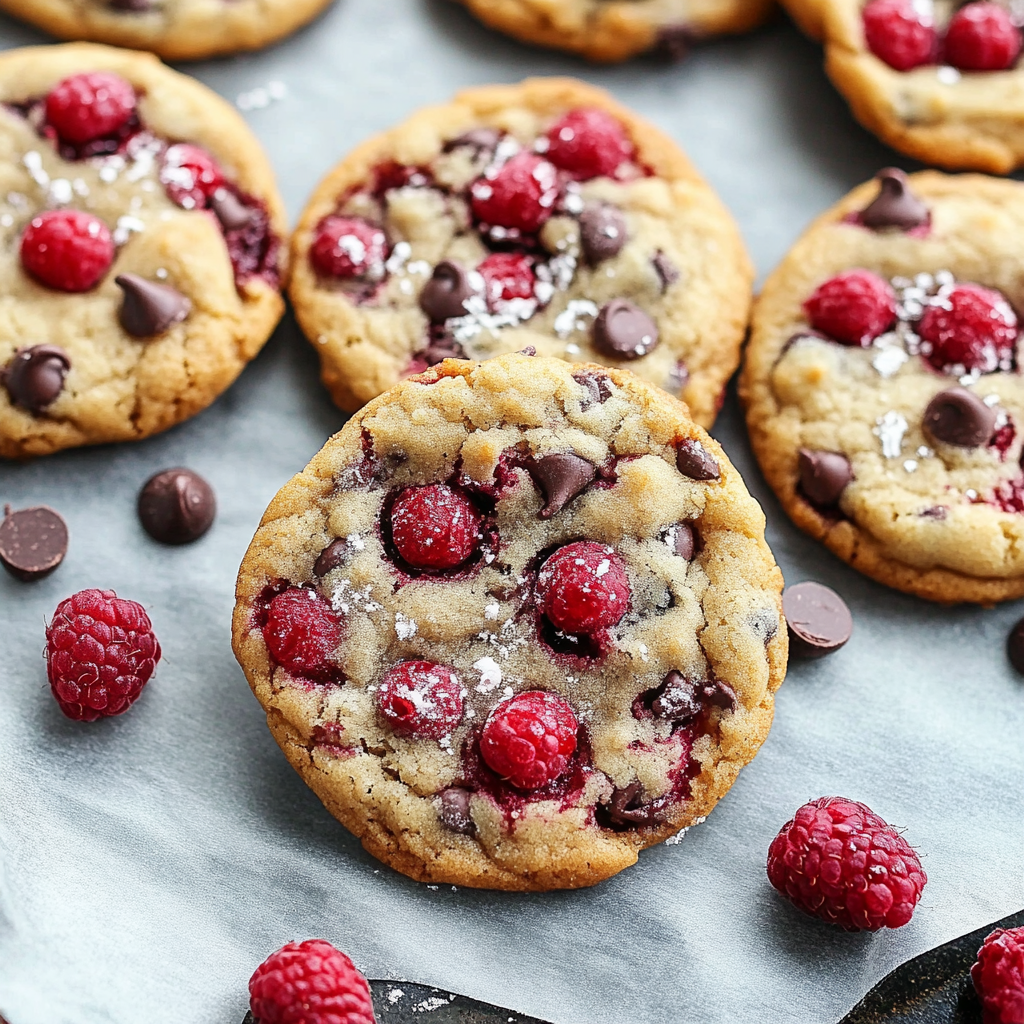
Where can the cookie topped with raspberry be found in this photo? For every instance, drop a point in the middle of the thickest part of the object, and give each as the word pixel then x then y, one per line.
pixel 142 231
pixel 883 384
pixel 516 622
pixel 541 214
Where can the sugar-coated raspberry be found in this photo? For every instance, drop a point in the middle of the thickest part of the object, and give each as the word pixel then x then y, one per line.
pixel 309 982
pixel 302 631
pixel 972 329
pixel 519 196
pixel 67 250
pixel 981 37
pixel 839 861
pixel 897 33
pixel 583 587
pixel 88 106
pixel 854 307
pixel 349 247
pixel 100 652
pixel 190 175
pixel 507 275
pixel 528 739
pixel 587 143
pixel 422 699
pixel 998 976
pixel 434 527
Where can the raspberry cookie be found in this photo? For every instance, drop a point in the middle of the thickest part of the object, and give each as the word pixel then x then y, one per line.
pixel 174 29
pixel 515 623
pixel 538 214
pixel 883 384
pixel 612 30
pixel 141 231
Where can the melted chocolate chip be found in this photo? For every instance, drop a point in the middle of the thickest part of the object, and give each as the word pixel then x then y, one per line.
pixel 35 376
pixel 696 462
pixel 149 308
pixel 823 476
pixel 561 478
pixel 626 807
pixel 818 619
pixel 33 542
pixel 680 699
pixel 683 540
pixel 624 331
pixel 441 349
pixel 455 814
pixel 230 210
pixel 602 232
pixel 895 206
pixel 332 556
pixel 445 294
pixel 598 388
pixel 666 270
pixel 959 417
pixel 479 139
pixel 673 42
pixel 177 506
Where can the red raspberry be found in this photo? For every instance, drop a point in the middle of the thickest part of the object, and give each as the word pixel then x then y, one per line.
pixel 434 527
pixel 974 328
pixel 583 587
pixel 302 631
pixel 854 307
pixel 896 33
pixel 507 275
pixel 981 37
pixel 88 106
pixel 519 196
pixel 100 653
pixel 309 982
pixel 67 250
pixel 587 143
pixel 528 739
pixel 190 176
pixel 349 247
pixel 839 861
pixel 419 698
pixel 998 976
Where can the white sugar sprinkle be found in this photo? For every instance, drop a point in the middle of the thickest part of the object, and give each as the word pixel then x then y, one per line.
pixel 492 610
pixel 890 430
pixel 490 675
pixel 405 628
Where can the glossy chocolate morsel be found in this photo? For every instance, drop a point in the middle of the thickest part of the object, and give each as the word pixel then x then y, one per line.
pixel 895 206
pixel 823 476
pixel 959 417
pixel 696 462
pixel 149 308
pixel 819 620
pixel 561 478
pixel 624 331
pixel 177 506
pixel 33 542
pixel 34 378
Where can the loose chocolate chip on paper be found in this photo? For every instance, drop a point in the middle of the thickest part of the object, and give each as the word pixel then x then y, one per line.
pixel 895 206
pixel 34 378
pixel 696 462
pixel 149 308
pixel 624 331
pixel 33 542
pixel 959 417
pixel 602 232
pixel 561 478
pixel 818 618
pixel 177 506
pixel 332 556
pixel 455 811
pixel 823 475
pixel 444 295
pixel 230 210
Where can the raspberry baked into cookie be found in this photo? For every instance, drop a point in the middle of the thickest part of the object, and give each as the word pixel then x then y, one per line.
pixel 538 214
pixel 883 384
pixel 140 228
pixel 516 622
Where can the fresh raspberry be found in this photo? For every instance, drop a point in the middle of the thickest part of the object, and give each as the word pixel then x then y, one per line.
pixel 100 653
pixel 854 307
pixel 349 247
pixel 519 196
pixel 309 982
pixel 67 250
pixel 507 275
pixel 972 329
pixel 839 861
pixel 998 976
pixel 583 587
pixel 528 739
pixel 587 143
pixel 88 106
pixel 190 176
pixel 419 698
pixel 302 631
pixel 899 35
pixel 981 37
pixel 434 527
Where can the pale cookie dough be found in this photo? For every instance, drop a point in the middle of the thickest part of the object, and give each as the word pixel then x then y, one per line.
pixel 225 269
pixel 678 254
pixel 704 608
pixel 939 519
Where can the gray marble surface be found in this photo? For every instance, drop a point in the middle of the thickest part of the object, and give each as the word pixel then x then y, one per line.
pixel 148 863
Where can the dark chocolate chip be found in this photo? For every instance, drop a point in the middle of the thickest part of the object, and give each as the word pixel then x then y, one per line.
pixel 230 210
pixel 819 621
pixel 441 349
pixel 1015 646
pixel 959 417
pixel 935 512
pixel 598 388
pixel 480 139
pixel 35 376
pixel 530 350
pixel 33 542
pixel 679 698
pixel 673 42
pixel 149 308
pixel 602 232
pixel 624 331
pixel 177 506
pixel 561 478
pixel 335 554
pixel 895 206
pixel 445 294
pixel 696 462
pixel 683 540
pixel 455 814
pixel 626 807
pixel 667 271
pixel 823 475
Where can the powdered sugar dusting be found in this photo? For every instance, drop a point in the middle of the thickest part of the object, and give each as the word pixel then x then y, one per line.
pixel 889 430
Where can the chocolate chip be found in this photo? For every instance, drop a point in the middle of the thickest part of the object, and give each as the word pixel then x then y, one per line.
pixel 602 232
pixel 895 206
pixel 561 478
pixel 598 387
pixel 624 331
pixel 332 556
pixel 696 462
pixel 177 506
pixel 1015 646
pixel 819 621
pixel 530 350
pixel 33 542
pixel 935 512
pixel 149 308
pixel 673 42
pixel 445 294
pixel 455 814
pixel 667 271
pixel 683 540
pixel 959 417
pixel 823 475
pixel 680 698
pixel 230 210
pixel 35 376
pixel 626 807
pixel 480 139
pixel 441 349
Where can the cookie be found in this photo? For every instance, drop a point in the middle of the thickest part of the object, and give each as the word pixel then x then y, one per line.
pixel 883 384
pixel 516 622
pixel 541 214
pixel 142 255
pixel 173 29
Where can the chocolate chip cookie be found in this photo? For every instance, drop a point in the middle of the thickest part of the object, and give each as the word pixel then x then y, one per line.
pixel 516 622
pixel 540 214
